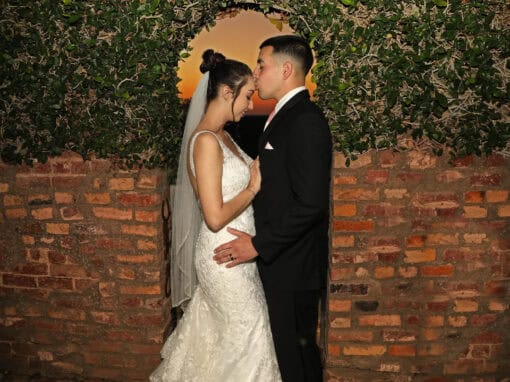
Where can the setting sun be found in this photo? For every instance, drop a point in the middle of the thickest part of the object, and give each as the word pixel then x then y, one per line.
pixel 237 36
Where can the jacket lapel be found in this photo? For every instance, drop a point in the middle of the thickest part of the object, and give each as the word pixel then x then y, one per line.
pixel 279 116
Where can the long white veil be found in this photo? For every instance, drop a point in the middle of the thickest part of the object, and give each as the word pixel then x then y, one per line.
pixel 185 210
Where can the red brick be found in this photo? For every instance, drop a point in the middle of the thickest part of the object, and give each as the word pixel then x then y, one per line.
pixel 464 305
pixel 488 337
pixel 146 245
pixel 28 240
pixel 42 213
pixel 384 272
pixel 68 181
pixel 67 314
pixel 496 196
pixel 449 176
pixel 28 181
pixel 144 320
pixel 12 200
pixel 350 336
pixel 416 240
pixel 64 198
pixel 357 226
pixel 134 199
pixel 457 321
pixel 380 320
pixel 58 283
pixel 442 239
pixel 344 179
pixel 420 256
pixel 57 228
pixel 341 273
pixel 125 335
pixel 504 211
pixel 334 350
pixel 16 213
pixel 147 216
pixel 388 159
pixel 402 350
pixel 18 281
pixel 32 269
pixel 141 230
pixel 496 288
pixel 113 243
pixel 437 270
pixel 408 272
pixel 486 179
pixel 121 184
pixel 109 318
pixel 474 196
pixel 340 305
pixel 112 213
pixel 376 176
pixel 396 193
pixel 136 259
pixel 364 350
pixel 344 210
pixel 71 213
pixel 126 274
pixel 140 289
pixel 495 160
pixel 432 349
pixel 464 161
pixel 355 194
pixel 475 212
pixel 390 335
pixel 147 181
pixel 97 198
pixel 343 241
pixel 421 160
pixel 436 200
pixel 483 319
pixel 68 270
pixel 410 177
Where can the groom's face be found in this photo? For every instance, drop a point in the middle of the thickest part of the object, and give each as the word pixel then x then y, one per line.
pixel 267 74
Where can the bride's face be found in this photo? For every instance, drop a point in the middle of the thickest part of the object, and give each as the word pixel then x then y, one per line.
pixel 244 101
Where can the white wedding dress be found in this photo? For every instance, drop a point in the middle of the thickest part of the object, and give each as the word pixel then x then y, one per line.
pixel 224 333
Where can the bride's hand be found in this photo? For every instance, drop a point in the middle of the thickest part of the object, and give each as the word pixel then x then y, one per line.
pixel 255 176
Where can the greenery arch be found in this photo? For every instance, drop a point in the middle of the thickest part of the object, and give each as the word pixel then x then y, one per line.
pixel 99 76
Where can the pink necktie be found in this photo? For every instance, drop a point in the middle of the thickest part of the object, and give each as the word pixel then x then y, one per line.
pixel 269 118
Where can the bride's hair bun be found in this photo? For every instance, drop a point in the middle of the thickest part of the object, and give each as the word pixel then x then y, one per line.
pixel 210 59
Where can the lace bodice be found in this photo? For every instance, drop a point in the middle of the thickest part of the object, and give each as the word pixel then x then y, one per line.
pixel 236 173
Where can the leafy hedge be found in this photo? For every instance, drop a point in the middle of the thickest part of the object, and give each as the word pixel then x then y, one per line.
pixel 99 76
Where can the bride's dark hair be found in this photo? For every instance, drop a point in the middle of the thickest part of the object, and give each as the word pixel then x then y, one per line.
pixel 223 71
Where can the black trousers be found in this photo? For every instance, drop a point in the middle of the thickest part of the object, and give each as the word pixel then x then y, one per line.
pixel 294 318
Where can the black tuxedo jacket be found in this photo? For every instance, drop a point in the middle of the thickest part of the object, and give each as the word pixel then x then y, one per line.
pixel 292 206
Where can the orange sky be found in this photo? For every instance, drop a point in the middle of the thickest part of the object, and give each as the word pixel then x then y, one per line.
pixel 239 38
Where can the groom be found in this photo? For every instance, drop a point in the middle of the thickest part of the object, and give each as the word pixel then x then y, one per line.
pixel 291 209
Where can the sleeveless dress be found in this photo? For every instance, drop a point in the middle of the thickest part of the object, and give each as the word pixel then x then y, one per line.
pixel 224 334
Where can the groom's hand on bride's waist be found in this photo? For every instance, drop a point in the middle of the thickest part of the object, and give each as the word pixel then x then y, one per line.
pixel 235 252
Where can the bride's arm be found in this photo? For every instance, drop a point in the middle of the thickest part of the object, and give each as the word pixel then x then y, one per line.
pixel 208 161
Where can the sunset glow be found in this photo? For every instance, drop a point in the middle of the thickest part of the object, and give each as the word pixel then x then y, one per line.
pixel 238 38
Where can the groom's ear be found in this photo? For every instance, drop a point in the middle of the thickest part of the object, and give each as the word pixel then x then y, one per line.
pixel 287 69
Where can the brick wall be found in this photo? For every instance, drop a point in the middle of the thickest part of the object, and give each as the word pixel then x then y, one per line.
pixel 80 284
pixel 419 269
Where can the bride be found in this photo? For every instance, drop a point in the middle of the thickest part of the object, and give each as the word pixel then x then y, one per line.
pixel 224 334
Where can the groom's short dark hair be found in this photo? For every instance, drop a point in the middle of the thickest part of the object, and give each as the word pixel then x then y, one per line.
pixel 293 46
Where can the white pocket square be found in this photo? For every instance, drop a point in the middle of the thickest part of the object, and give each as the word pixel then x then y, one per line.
pixel 268 146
